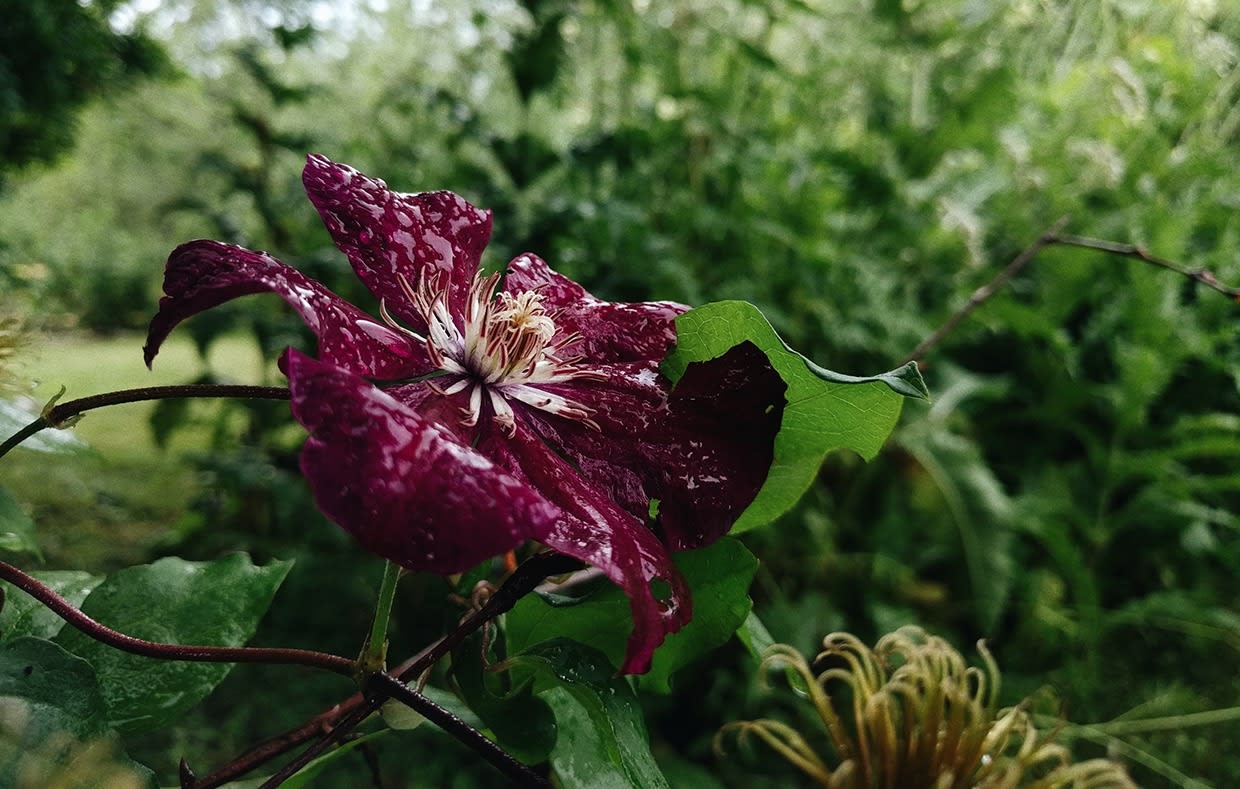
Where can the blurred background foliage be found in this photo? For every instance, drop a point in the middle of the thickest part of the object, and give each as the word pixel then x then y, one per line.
pixel 856 170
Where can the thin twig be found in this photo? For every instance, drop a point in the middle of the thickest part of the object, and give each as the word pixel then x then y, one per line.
pixel 528 575
pixel 1053 237
pixel 152 649
pixel 1123 728
pixel 1202 275
pixel 65 414
pixel 21 435
pixel 346 724
pixel 983 293
pixel 317 726
pixel 333 724
pixel 61 413
pixel 388 686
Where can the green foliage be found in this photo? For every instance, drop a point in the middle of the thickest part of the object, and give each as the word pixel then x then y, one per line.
pixel 856 172
pixel 173 602
pixel 22 615
pixel 55 720
pixel 516 717
pixel 719 576
pixel 53 58
pixel 601 737
pixel 17 534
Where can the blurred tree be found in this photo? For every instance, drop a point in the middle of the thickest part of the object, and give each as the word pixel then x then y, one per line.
pixel 54 57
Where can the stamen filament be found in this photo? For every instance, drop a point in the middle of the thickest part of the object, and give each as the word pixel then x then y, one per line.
pixel 503 343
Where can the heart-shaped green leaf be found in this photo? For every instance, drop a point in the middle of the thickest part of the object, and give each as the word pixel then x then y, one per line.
pixel 55 721
pixel 171 601
pixel 601 741
pixel 22 615
pixel 826 410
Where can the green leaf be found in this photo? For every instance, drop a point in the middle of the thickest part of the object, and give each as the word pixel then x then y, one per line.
pixel 175 602
pixel 16 528
pixel 53 717
pixel 754 635
pixel 520 722
pixel 15 415
pixel 826 410
pixel 602 740
pixel 719 576
pixel 601 618
pixel 679 771
pixel 23 615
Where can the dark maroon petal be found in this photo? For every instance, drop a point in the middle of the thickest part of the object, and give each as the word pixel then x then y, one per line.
pixel 388 235
pixel 401 484
pixel 610 331
pixel 205 274
pixel 627 407
pixel 703 452
pixel 592 528
pixel 717 444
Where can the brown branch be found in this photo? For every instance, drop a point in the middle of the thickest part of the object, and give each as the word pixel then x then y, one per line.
pixel 66 414
pixel 520 774
pixel 1053 237
pixel 983 293
pixel 528 575
pixel 58 415
pixel 152 649
pixel 1137 252
pixel 318 726
pixel 333 724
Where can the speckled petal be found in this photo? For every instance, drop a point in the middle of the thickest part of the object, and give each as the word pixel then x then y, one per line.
pixel 592 528
pixel 709 458
pixel 400 483
pixel 703 452
pixel 387 235
pixel 610 331
pixel 204 274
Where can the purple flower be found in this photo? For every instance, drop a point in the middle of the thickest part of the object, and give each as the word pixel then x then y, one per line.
pixel 477 413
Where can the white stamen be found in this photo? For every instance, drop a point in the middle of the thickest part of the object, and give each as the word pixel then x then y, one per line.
pixel 505 344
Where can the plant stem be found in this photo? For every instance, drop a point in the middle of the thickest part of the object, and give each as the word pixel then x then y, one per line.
pixel 373 658
pixel 1053 237
pixel 58 416
pixel 1122 728
pixel 1137 252
pixel 528 575
pixel 983 293
pixel 72 408
pixel 518 773
pixel 184 652
pixel 21 435
pixel 341 719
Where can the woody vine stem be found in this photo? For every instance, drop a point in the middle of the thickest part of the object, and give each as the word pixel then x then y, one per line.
pixel 379 686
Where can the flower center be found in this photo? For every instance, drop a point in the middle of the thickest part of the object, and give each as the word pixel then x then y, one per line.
pixel 504 347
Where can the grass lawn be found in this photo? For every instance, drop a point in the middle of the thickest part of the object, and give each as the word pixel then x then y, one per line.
pixel 88 365
pixel 105 508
